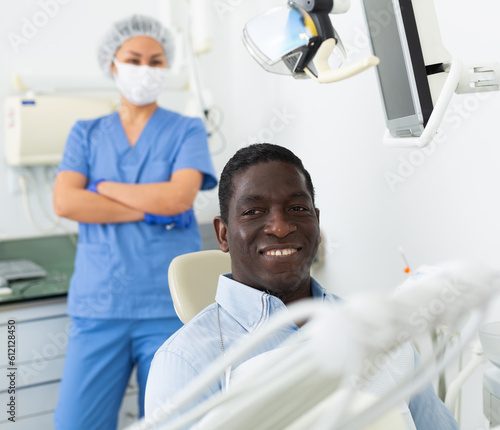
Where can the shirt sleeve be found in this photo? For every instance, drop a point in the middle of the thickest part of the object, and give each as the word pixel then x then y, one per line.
pixel 428 411
pixel 75 156
pixel 194 154
pixel 168 375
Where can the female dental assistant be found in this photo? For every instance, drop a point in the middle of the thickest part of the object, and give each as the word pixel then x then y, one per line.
pixel 130 180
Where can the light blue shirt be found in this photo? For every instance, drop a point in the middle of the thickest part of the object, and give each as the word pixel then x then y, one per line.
pixel 243 310
pixel 121 269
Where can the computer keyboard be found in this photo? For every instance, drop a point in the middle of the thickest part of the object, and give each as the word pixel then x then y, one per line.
pixel 20 269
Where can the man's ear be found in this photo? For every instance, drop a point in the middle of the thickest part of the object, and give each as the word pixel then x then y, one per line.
pixel 317 216
pixel 221 234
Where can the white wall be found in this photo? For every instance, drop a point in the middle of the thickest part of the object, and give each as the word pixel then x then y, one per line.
pixel 447 207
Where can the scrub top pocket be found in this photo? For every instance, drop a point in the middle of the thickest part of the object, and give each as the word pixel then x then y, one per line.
pixel 92 263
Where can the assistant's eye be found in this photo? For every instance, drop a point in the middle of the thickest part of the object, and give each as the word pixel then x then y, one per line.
pixel 132 61
pixel 157 63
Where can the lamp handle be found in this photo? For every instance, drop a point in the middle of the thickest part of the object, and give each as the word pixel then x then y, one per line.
pixel 327 75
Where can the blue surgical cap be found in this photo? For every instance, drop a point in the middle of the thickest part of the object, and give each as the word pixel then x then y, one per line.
pixel 136 25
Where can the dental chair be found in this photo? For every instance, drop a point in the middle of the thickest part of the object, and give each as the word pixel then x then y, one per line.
pixel 193 280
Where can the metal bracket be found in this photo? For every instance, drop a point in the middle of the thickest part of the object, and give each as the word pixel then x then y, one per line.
pixel 479 78
pixel 461 80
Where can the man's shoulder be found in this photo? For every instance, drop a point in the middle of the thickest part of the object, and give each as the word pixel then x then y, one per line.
pixel 199 335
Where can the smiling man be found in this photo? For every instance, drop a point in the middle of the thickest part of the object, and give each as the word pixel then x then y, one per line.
pixel 270 226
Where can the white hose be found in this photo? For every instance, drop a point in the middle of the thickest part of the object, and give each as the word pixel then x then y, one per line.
pixel 72 236
pixel 455 387
pixel 23 185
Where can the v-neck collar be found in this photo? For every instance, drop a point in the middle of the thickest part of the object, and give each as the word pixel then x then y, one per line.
pixel 123 138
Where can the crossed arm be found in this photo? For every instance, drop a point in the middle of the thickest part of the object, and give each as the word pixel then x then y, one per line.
pixel 119 202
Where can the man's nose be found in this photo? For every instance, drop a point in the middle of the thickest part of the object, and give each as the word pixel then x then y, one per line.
pixel 279 224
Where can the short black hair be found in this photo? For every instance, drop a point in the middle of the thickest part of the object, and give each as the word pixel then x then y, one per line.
pixel 250 156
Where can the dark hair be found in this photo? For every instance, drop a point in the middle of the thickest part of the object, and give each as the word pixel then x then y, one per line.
pixel 250 156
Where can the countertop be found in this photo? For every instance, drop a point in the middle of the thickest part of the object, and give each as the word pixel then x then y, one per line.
pixel 56 254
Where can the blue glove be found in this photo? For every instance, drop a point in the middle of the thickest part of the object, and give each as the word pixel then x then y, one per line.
pixel 183 220
pixel 93 186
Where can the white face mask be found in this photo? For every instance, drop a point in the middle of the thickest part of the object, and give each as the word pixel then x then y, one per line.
pixel 140 85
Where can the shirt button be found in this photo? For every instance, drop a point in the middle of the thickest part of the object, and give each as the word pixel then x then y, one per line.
pixel 250 323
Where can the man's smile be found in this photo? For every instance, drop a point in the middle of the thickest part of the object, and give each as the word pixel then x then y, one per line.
pixel 280 251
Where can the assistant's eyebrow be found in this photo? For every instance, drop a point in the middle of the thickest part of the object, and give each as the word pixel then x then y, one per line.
pixel 138 54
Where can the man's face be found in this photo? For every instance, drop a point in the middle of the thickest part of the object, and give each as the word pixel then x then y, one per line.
pixel 272 231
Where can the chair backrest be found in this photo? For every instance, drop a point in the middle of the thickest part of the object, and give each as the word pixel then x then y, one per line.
pixel 193 280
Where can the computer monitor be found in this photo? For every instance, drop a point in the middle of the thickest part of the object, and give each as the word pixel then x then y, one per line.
pixel 403 74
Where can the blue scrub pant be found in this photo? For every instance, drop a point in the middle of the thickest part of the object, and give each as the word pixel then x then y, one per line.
pixel 100 357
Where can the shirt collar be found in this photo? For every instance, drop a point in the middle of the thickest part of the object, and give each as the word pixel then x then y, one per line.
pixel 249 306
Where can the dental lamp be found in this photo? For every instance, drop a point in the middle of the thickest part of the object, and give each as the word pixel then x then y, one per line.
pixel 298 39
pixel 416 74
pixel 316 381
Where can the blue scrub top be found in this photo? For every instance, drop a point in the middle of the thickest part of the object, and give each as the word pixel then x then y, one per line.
pixel 121 269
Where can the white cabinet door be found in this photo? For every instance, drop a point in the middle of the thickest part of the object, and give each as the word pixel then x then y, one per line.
pixel 31 401
pixel 37 422
pixel 36 342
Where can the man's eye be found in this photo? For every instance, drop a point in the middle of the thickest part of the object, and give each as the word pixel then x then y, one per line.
pixel 299 208
pixel 252 212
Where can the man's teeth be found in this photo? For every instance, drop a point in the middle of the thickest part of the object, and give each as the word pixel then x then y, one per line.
pixel 280 252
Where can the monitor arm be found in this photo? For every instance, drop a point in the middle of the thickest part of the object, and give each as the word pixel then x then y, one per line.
pixel 462 79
